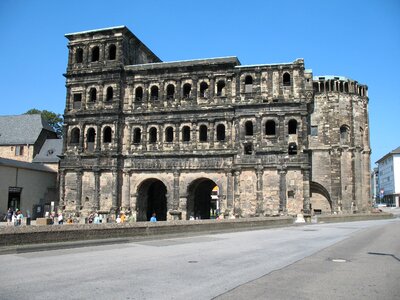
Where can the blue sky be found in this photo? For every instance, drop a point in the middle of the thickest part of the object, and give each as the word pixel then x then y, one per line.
pixel 356 39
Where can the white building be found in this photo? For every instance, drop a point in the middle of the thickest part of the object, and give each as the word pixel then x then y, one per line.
pixel 389 177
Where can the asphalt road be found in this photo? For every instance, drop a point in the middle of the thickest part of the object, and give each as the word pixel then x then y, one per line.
pixel 357 260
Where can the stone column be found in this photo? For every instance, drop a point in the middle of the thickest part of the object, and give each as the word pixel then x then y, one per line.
pixel 229 190
pixel 282 191
pixel 62 189
pixel 236 192
pixel 98 138
pixel 175 201
pixel 114 202
pixel 306 192
pixel 259 173
pixel 78 190
pixel 126 191
pixel 96 204
pixel 212 87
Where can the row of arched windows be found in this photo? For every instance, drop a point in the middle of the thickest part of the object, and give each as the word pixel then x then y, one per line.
pixel 95 54
pixel 90 136
pixel 93 94
pixel 270 127
pixel 339 86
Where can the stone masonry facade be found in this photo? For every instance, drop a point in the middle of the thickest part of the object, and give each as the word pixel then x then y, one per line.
pixel 147 136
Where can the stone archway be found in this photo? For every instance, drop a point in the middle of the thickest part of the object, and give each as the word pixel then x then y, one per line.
pixel 199 202
pixel 151 198
pixel 320 199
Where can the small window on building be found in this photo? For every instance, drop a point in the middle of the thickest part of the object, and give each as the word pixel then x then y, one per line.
pixel 139 94
pixel 286 79
pixel 77 101
pixel 248 84
pixel 204 90
pixel 153 135
pixel 79 56
pixel 248 149
pixel 95 54
pixel 75 136
pixel 344 135
pixel 112 52
pixel 290 194
pixel 107 135
pixel 292 150
pixel 93 95
pixel 203 133
pixel 186 134
pixel 292 127
pixel 221 132
pixel 270 127
pixel 137 136
pixel 19 150
pixel 90 138
pixel 314 131
pixel 248 128
pixel 170 91
pixel 110 94
pixel 169 134
pixel 315 86
pixel 221 88
pixel 154 93
pixel 187 87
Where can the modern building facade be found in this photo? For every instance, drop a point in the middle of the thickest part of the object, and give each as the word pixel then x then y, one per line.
pixel 147 136
pixel 389 178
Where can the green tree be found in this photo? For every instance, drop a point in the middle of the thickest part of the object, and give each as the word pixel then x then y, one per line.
pixel 54 120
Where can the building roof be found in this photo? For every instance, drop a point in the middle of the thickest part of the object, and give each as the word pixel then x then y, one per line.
pixel 21 129
pixel 96 30
pixel 49 152
pixel 395 151
pixel 5 162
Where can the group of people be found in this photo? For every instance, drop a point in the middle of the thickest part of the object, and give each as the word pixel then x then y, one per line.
pixel 14 217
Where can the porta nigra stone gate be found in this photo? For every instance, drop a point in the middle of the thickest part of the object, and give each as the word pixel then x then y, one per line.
pixel 144 136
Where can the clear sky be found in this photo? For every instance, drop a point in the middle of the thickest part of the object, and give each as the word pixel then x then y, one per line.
pixel 356 39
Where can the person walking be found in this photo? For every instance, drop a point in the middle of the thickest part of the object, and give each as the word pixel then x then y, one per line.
pixel 153 218
pixel 60 219
pixel 9 216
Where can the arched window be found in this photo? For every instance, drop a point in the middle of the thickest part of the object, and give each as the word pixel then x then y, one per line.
pixel 95 54
pixel 286 79
pixel 93 95
pixel 221 88
pixel 344 135
pixel 186 134
pixel 220 132
pixel 154 93
pixel 316 87
pixel 248 149
pixel 109 94
pixel 346 87
pixel 187 87
pixel 248 84
pixel 112 52
pixel 323 87
pixel 75 135
pixel 79 55
pixel 270 127
pixel 248 128
pixel 169 134
pixel 292 149
pixel 139 94
pixel 204 90
pixel 153 135
pixel 107 135
pixel 203 133
pixel 137 136
pixel 170 91
pixel 292 127
pixel 90 138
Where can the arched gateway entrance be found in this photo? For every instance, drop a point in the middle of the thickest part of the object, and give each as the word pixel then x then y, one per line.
pixel 200 204
pixel 152 198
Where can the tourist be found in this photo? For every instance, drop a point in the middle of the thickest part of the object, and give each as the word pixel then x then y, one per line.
pixel 20 217
pixel 123 217
pixel 96 219
pixel 153 218
pixel 9 216
pixel 118 220
pixel 60 219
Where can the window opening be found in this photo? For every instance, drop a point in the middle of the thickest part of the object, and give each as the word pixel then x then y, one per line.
pixel 292 149
pixel 203 133
pixel 248 149
pixel 90 138
pixel 221 132
pixel 270 128
pixel 19 150
pixel 204 90
pixel 110 94
pixel 107 135
pixel 316 87
pixel 139 94
pixel 93 95
pixel 154 93
pixel 79 56
pixel 75 135
pixel 344 135
pixel 112 52
pixel 286 79
pixel 77 101
pixel 249 127
pixel 153 135
pixel 314 130
pixel 137 136
pixel 221 88
pixel 170 91
pixel 186 134
pixel 248 84
pixel 169 134
pixel 292 127
pixel 95 54
pixel 187 87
